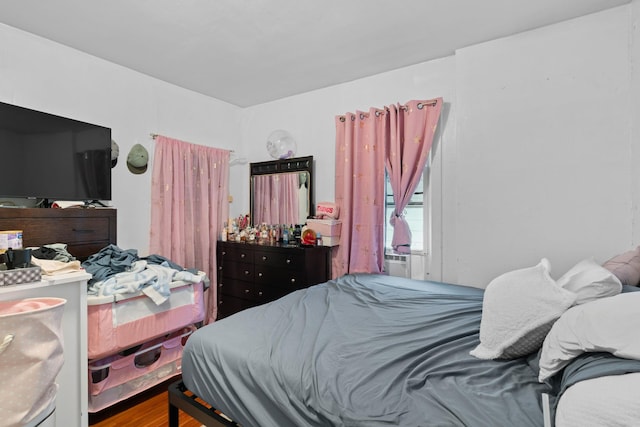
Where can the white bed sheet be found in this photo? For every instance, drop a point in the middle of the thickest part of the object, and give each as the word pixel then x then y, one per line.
pixel 611 401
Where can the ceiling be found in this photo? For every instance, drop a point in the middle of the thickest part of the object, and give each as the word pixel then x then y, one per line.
pixel 248 52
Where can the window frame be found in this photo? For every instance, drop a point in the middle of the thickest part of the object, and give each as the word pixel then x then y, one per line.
pixel 414 224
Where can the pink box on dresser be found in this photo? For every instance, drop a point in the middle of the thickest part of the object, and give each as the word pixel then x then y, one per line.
pixel 326 227
pixel 119 322
pixel 330 241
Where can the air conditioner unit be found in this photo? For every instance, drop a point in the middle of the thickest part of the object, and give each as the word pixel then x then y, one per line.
pixel 397 265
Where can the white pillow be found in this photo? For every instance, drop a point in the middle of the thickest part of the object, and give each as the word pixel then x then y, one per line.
pixel 518 310
pixel 607 324
pixel 590 281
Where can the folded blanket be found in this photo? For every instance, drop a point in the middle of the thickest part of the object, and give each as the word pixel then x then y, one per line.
pixel 52 267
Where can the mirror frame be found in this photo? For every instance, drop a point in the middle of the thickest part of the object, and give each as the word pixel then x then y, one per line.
pixel 295 164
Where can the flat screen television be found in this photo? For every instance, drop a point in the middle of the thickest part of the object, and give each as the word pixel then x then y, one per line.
pixel 48 157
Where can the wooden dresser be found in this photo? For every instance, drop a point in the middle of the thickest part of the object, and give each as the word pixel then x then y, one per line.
pixel 251 274
pixel 84 230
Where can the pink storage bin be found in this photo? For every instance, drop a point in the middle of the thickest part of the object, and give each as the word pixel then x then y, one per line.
pixel 120 376
pixel 119 322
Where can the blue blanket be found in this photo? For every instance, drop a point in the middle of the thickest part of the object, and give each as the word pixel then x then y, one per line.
pixel 363 350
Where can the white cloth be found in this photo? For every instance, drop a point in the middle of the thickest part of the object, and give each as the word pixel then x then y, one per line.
pixel 52 267
pixel 610 401
pixel 151 279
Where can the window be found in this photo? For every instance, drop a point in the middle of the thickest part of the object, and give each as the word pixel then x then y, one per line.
pixel 413 213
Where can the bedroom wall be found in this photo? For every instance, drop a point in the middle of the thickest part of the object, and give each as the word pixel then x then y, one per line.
pixel 536 154
pixel 543 167
pixel 310 118
pixel 43 75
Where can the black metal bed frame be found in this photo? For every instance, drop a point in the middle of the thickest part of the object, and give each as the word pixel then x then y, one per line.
pixel 180 398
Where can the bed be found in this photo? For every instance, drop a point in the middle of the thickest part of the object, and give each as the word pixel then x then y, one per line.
pixel 375 350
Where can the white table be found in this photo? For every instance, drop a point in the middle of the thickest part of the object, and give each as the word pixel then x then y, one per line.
pixel 72 397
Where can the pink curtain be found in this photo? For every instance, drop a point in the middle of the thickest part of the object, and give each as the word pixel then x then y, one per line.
pixel 276 199
pixel 189 188
pixel 412 127
pixel 400 137
pixel 360 192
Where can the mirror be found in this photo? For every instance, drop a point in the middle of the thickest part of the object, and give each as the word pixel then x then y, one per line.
pixel 281 191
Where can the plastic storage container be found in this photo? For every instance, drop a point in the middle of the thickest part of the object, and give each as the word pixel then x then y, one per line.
pixel 31 356
pixel 120 376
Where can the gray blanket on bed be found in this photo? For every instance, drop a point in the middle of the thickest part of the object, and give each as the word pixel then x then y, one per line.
pixel 363 350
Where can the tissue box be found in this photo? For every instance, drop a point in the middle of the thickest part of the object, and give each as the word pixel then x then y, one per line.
pixel 20 275
pixel 326 227
pixel 10 239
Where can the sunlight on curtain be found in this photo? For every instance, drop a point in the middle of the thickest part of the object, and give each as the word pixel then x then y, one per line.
pixel 189 189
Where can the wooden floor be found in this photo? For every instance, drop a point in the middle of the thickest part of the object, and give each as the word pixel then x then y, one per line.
pixel 148 409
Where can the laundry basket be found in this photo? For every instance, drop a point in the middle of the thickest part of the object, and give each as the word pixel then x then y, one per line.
pixel 31 356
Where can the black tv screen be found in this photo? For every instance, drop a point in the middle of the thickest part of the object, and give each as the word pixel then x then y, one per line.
pixel 44 156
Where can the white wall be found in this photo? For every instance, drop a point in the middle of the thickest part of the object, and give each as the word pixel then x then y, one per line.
pixel 543 134
pixel 42 75
pixel 310 117
pixel 536 156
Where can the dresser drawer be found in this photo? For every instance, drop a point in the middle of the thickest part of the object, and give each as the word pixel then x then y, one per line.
pixel 228 305
pixel 289 260
pixel 243 289
pixel 61 230
pixel 280 277
pixel 84 231
pixel 253 274
pixel 236 270
pixel 234 253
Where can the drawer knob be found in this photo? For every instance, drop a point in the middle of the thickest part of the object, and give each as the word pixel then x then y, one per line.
pixel 220 285
pixel 246 291
pixel 246 272
pixel 264 258
pixel 224 252
pixel 260 293
pixel 242 255
pixel 293 280
pixel 259 274
pixel 288 261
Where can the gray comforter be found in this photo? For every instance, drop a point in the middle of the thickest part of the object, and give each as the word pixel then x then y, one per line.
pixel 363 350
